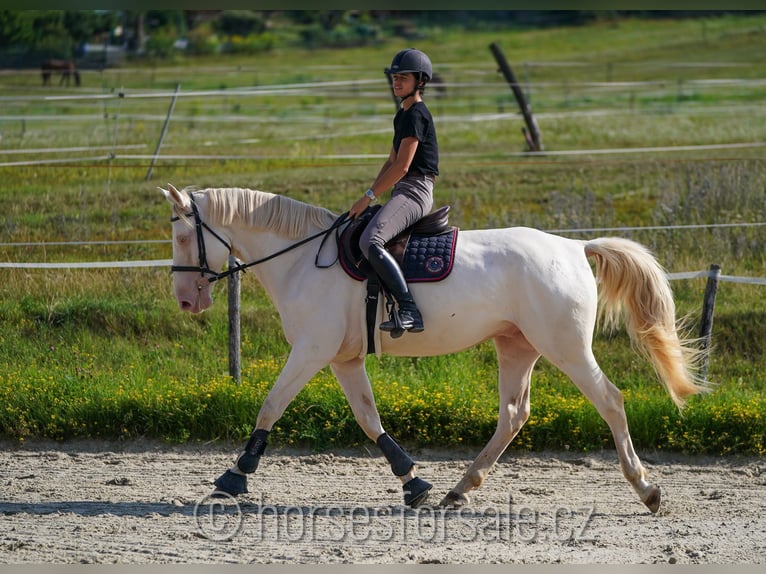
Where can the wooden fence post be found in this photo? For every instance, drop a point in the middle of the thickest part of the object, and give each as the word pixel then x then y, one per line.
pixel 235 370
pixel 531 133
pixel 708 305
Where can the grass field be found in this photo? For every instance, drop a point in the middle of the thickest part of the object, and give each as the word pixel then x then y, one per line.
pixel 106 353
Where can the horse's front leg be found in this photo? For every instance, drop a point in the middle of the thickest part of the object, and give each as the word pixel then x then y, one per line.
pixel 298 370
pixel 356 385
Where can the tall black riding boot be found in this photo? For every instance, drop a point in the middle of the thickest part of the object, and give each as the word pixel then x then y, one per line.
pixel 390 274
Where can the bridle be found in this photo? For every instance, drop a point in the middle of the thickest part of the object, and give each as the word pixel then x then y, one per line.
pixel 210 275
pixel 203 267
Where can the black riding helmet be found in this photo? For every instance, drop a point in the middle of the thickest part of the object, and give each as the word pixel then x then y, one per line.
pixel 412 61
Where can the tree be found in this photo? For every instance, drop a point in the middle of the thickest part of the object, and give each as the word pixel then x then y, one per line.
pixel 83 25
pixel 15 28
pixel 53 30
pixel 240 23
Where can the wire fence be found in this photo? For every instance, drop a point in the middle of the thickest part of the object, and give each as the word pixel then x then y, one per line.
pixel 353 108
pixel 355 87
pixel 464 94
pixel 541 154
pixel 168 262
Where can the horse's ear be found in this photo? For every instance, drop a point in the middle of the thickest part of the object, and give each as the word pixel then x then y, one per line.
pixel 179 198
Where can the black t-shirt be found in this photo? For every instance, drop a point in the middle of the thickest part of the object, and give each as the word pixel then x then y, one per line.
pixel 417 122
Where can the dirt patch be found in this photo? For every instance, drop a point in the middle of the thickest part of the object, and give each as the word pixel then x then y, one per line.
pixel 88 502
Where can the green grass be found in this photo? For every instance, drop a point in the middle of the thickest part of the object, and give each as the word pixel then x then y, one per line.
pixel 108 354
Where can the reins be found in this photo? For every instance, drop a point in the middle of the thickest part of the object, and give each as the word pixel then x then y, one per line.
pixel 203 267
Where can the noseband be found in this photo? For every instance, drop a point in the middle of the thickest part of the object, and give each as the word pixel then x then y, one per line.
pixel 211 276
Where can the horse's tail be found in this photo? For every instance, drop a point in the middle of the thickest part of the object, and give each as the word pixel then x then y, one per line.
pixel 631 280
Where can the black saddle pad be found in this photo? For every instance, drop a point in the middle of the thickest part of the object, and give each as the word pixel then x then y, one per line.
pixel 429 257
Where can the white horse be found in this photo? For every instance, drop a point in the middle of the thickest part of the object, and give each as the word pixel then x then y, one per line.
pixel 533 293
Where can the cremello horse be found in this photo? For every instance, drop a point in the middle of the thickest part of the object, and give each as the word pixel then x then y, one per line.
pixel 532 293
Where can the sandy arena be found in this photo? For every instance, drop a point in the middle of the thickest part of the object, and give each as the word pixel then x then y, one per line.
pixel 88 502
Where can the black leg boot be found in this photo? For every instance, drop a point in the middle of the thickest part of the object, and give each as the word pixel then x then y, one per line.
pixel 391 275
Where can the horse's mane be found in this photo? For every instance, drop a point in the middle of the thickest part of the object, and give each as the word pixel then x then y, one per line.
pixel 268 211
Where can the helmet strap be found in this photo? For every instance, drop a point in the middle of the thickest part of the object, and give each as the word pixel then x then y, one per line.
pixel 419 86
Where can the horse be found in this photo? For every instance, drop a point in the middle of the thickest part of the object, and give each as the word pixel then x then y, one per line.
pixel 438 85
pixel 533 293
pixel 66 67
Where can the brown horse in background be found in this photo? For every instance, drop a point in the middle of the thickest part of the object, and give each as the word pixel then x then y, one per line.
pixel 66 67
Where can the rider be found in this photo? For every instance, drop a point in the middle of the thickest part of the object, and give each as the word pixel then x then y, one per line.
pixel 411 168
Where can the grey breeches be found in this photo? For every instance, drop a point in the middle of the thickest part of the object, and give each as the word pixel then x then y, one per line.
pixel 411 199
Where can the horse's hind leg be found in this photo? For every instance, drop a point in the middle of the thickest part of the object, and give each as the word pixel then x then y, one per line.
pixel 356 385
pixel 516 358
pixel 608 400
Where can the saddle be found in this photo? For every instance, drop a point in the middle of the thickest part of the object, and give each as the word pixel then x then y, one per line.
pixel 425 251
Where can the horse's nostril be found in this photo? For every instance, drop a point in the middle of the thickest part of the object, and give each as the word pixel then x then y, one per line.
pixel 185 305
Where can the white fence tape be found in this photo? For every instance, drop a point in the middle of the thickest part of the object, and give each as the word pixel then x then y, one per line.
pixel 88 264
pixel 688 275
pixel 47 150
pixel 69 243
pixel 658 227
pixel 729 278
pixel 748 280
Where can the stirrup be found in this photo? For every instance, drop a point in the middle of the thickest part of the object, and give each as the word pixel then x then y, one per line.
pixel 397 325
pixel 394 323
pixel 411 320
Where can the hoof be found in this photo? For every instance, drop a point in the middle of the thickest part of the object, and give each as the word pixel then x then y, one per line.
pixel 653 498
pixel 454 500
pixel 416 492
pixel 231 483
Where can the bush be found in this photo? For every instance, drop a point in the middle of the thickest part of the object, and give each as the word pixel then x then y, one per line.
pixel 252 44
pixel 160 44
pixel 316 36
pixel 202 41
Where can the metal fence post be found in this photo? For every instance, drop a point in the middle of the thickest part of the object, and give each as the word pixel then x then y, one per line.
pixel 235 370
pixel 708 305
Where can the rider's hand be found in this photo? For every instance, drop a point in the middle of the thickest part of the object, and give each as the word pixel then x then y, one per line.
pixel 359 206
